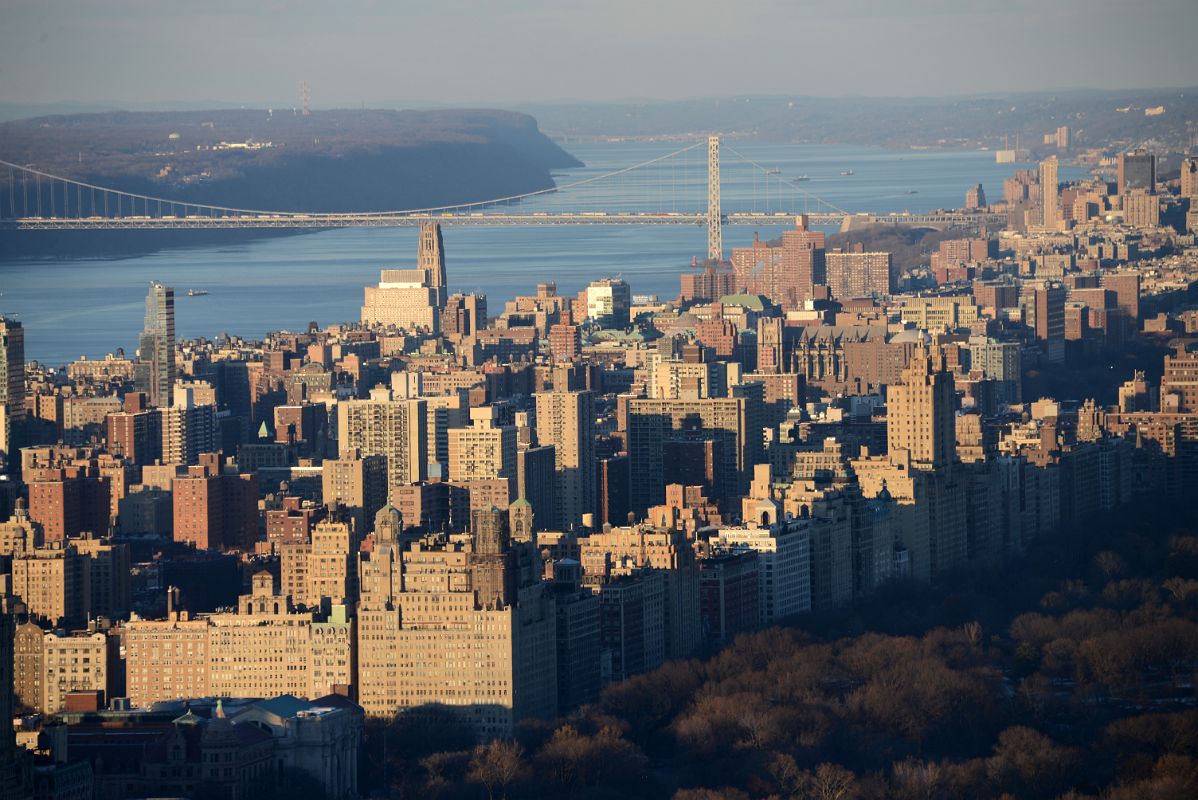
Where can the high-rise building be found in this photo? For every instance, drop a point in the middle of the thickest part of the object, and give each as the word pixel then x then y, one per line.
pixel 66 502
pixel 1189 180
pixel 859 274
pixel 12 389
pixel 265 648
pixel 464 315
pixel 436 633
pixel 19 534
pixel 331 571
pixel 1126 286
pixel 1000 361
pixel 1050 211
pixel 608 302
pixel 28 669
pixel 565 342
pixel 535 480
pixel 578 642
pixel 383 426
pixel 215 510
pixel 566 420
pixel 155 369
pixel 188 428
pixel 920 414
pixel 108 575
pixel 483 451
pixel 54 583
pixel 714 282
pixel 632 624
pixel 1141 209
pixel 732 426
pixel 783 550
pixel 1044 311
pixel 613 501
pixel 787 273
pixel 358 484
pixel 75 662
pixel 624 551
pixel 729 594
pixel 952 252
pixel 1181 380
pixel 135 433
pixel 975 197
pixel 16 779
pixel 411 298
pixel 166 659
pixel 1137 170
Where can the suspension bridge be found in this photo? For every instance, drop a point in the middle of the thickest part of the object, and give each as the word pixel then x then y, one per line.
pixel 666 190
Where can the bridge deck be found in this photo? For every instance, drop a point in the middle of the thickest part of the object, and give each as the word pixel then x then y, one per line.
pixel 328 221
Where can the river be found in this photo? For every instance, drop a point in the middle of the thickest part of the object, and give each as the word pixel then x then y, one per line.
pixel 91 307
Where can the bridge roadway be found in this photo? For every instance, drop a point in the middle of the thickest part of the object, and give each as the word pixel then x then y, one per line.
pixel 395 220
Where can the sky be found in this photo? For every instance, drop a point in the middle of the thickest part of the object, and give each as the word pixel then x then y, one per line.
pixel 519 52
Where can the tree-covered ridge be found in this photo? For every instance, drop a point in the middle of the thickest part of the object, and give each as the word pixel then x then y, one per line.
pixel 345 160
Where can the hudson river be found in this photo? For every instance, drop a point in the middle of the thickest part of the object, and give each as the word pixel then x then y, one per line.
pixel 91 307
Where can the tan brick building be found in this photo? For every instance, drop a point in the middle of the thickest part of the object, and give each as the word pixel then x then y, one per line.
pixel 54 581
pixel 566 420
pixel 383 426
pixel 166 659
pixel 73 662
pixel 263 649
pixel 624 551
pixel 358 483
pixel 484 450
pixel 430 643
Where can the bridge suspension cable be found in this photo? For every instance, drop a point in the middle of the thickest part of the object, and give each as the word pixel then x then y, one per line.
pixel 147 199
pixel 770 174
pixel 633 195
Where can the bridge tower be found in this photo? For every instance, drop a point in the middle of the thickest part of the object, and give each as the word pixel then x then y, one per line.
pixel 715 235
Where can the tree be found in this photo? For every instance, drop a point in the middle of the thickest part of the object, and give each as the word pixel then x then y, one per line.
pixel 829 782
pixel 1026 762
pixel 497 766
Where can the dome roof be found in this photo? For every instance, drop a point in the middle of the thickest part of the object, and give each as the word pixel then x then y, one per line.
pixel 911 335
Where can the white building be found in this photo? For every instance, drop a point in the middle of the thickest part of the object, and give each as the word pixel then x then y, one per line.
pixel 609 302
pixel 784 555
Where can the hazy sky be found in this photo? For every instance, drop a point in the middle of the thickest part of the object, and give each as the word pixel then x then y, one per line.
pixel 511 52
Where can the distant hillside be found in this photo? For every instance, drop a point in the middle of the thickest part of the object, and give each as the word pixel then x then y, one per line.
pixel 1096 118
pixel 345 160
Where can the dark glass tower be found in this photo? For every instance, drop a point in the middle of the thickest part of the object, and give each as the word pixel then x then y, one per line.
pixel 156 348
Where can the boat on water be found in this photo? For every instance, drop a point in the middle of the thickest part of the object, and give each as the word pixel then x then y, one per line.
pixel 800 178
pixel 846 172
pixel 911 191
pixel 774 171
pixel 196 292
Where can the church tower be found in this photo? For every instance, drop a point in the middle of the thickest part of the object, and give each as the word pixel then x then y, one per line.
pixel 431 260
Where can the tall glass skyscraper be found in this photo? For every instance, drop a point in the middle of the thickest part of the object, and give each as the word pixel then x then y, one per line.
pixel 156 349
pixel 12 387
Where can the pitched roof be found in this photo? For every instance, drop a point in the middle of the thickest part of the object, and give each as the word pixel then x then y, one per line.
pixel 284 706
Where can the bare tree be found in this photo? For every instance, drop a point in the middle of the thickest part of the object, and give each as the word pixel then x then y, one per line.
pixel 497 766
